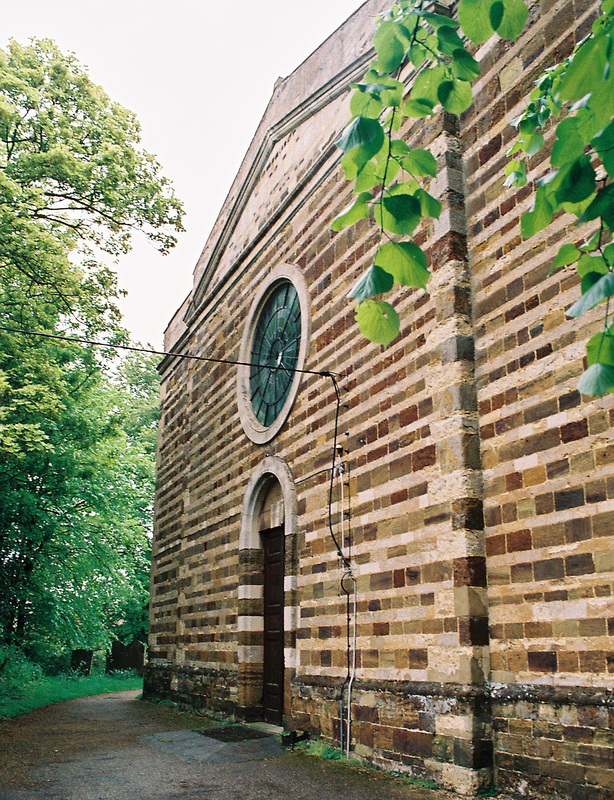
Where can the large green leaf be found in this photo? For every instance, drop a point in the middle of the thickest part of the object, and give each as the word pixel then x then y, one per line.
pixel 389 45
pixel 381 87
pixel 420 163
pixel 586 69
pixel 401 214
pixel 541 215
pixel 604 145
pixel 358 210
pixel 600 349
pixel 577 182
pixel 511 19
pixel 406 262
pixel 399 148
pixel 589 122
pixel 601 101
pixel 529 142
pixel 455 96
pixel 416 108
pixel 378 321
pixel 448 40
pixel 426 85
pixel 430 206
pixel 602 206
pixel 568 254
pixel 355 161
pixel 418 54
pixel 579 208
pixel 386 81
pixel 474 18
pixel 439 20
pixel 362 132
pixel 569 144
pixel 597 380
pixel 588 263
pixel 366 179
pixel 366 104
pixel 392 95
pixel 599 292
pixel 374 281
pixel 464 65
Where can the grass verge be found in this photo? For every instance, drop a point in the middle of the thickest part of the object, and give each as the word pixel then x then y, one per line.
pixel 46 691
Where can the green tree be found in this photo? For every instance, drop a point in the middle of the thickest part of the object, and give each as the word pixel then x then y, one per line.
pixel 76 457
pixel 75 185
pixel 388 175
pixel 75 518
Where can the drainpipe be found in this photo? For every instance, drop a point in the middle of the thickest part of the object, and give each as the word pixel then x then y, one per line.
pixel 348 728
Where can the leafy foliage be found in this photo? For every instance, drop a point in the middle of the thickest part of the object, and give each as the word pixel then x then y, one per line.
pixel 74 185
pixel 71 157
pixel 390 178
pixel 581 91
pixel 76 440
pixel 75 518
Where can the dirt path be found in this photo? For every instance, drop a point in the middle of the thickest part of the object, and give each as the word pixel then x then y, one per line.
pixel 115 747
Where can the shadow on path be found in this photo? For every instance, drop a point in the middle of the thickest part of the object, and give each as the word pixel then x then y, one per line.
pixel 115 747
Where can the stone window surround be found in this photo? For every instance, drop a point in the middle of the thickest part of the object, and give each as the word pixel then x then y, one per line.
pixel 253 428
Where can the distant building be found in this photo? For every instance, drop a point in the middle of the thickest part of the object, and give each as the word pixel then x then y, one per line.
pixel 477 486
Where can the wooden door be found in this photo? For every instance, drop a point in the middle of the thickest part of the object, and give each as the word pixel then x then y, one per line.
pixel 273 666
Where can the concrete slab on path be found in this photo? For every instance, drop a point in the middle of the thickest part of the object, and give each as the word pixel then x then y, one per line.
pixel 194 746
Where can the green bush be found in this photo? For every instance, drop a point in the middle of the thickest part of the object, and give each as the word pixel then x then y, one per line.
pixel 16 671
pixel 51 661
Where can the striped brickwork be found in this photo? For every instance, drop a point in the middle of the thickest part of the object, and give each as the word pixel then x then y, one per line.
pixel 478 483
pixel 546 453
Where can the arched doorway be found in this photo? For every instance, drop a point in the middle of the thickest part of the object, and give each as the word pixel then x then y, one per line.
pixel 267 592
pixel 273 622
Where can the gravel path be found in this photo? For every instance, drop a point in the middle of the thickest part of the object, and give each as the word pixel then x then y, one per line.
pixel 116 747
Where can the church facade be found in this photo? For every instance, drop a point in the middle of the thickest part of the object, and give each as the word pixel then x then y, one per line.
pixel 407 550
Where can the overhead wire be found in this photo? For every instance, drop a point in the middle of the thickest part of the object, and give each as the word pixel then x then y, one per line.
pixel 152 351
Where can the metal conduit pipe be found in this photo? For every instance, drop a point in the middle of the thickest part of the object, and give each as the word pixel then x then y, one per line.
pixel 348 727
pixel 345 709
pixel 339 468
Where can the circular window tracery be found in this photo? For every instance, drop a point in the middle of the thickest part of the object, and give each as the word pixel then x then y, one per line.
pixel 274 348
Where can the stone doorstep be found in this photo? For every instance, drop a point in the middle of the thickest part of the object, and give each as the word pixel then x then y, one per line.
pixel 265 727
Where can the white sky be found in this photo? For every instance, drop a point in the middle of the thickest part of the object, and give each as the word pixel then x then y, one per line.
pixel 198 74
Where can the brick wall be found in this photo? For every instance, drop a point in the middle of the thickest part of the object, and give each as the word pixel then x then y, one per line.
pixel 479 483
pixel 546 453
